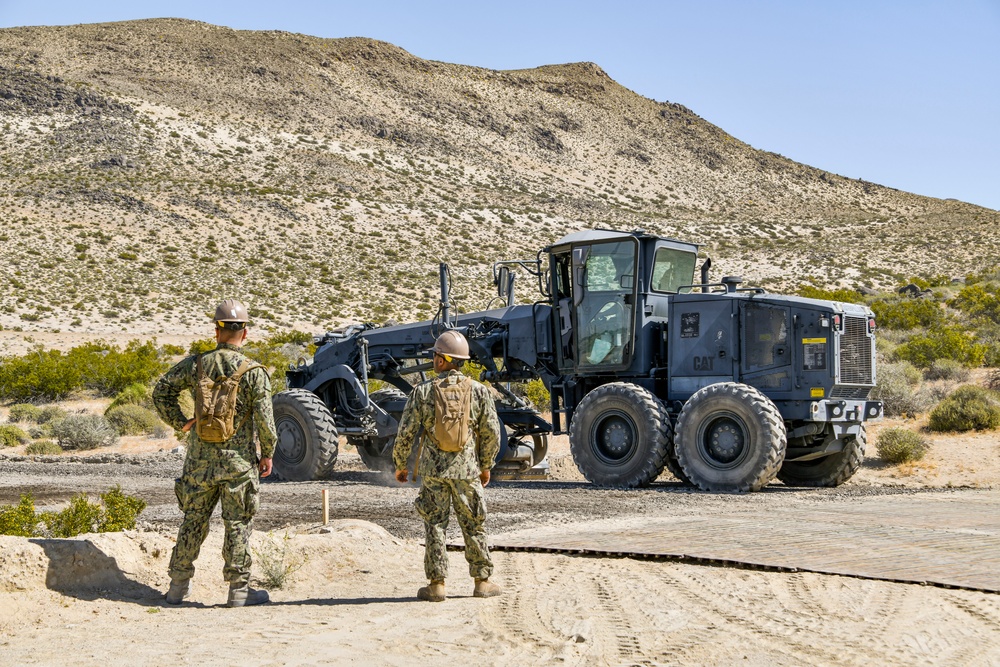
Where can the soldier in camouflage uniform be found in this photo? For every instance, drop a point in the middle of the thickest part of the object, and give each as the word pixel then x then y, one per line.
pixel 451 478
pixel 228 471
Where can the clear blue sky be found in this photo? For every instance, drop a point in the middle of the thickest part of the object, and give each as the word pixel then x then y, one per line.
pixel 905 93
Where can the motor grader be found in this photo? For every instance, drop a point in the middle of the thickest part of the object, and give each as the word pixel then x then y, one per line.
pixel 647 367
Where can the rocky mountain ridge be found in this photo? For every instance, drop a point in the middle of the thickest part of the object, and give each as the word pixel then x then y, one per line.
pixel 152 168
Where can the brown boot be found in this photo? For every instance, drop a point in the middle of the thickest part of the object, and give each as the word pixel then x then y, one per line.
pixel 241 595
pixel 434 592
pixel 485 589
pixel 179 590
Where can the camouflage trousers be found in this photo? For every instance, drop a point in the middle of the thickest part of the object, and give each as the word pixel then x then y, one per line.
pixel 434 503
pixel 198 491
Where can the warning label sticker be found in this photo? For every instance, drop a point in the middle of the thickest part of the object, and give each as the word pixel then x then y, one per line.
pixel 814 355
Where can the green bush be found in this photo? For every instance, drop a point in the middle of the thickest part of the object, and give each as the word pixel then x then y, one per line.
pixel 968 408
pixel 24 412
pixel 977 301
pixel 906 313
pixel 947 369
pixel 20 519
pixel 202 346
pixel 119 512
pixel 899 445
pixel 43 448
pixel 842 295
pixel 54 375
pixel 50 414
pixel 82 516
pixel 944 342
pixel 84 432
pixel 134 394
pixel 132 419
pixel 538 395
pixel 11 436
pixel 896 389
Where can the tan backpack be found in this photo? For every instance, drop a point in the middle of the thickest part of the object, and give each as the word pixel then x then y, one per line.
pixel 452 413
pixel 215 403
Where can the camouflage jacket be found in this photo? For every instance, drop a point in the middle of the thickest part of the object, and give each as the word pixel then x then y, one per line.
pixel 478 453
pixel 253 405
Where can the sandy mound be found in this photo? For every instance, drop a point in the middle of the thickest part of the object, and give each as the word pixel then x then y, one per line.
pixel 134 564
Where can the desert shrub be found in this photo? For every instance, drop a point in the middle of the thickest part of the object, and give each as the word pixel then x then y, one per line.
pixel 134 394
pixel 907 313
pixel 896 389
pixel 50 414
pixel 275 563
pixel 968 408
pixel 202 346
pixel 537 394
pixel 944 342
pixel 947 369
pixel 842 295
pixel 80 517
pixel 24 412
pixel 43 374
pixel 110 369
pixel 20 519
pixel 43 448
pixel 11 436
pixel 118 512
pixel 977 301
pixel 161 431
pixel 132 419
pixel 899 445
pixel 84 432
pixel 54 375
pixel 170 350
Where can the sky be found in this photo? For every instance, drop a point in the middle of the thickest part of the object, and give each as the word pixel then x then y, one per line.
pixel 904 93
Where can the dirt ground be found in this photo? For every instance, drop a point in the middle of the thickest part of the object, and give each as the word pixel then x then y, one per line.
pixel 98 599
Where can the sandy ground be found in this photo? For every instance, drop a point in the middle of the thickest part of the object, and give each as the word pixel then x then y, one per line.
pixel 97 599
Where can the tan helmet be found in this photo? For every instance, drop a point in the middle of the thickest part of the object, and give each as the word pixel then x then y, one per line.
pixel 452 344
pixel 231 314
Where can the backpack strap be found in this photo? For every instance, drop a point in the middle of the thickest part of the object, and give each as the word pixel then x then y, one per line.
pixel 245 367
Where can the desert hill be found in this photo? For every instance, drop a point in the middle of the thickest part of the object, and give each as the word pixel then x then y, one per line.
pixel 151 168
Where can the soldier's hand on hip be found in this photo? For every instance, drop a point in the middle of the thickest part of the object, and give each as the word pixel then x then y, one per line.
pixel 265 467
pixel 187 427
pixel 484 477
pixel 401 476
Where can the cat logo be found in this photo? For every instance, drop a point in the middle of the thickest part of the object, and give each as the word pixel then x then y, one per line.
pixel 704 363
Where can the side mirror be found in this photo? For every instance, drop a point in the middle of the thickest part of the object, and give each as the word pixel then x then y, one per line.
pixel 626 281
pixel 503 281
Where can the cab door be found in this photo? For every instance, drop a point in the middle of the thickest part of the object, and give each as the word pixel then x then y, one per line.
pixel 604 288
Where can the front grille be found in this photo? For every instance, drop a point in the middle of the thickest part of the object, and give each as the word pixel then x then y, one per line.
pixel 856 352
pixel 855 393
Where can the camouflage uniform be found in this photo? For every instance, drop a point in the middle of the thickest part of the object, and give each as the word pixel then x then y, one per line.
pixel 214 471
pixel 451 478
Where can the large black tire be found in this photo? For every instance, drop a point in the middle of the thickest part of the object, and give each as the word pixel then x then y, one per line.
pixel 730 438
pixel 370 448
pixel 831 470
pixel 307 437
pixel 619 436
